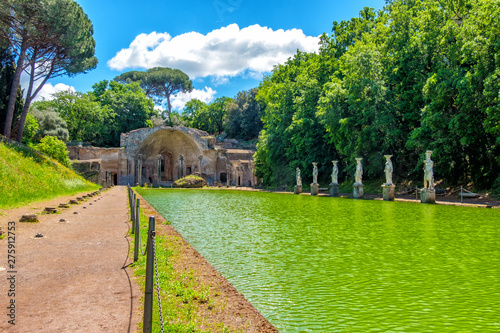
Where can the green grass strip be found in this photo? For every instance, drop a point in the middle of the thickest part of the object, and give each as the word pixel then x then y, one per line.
pixel 27 177
pixel 181 293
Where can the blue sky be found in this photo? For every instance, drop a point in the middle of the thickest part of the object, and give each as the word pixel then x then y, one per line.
pixel 225 46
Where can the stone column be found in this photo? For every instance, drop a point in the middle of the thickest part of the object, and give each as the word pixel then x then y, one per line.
pixel 139 169
pixel 158 171
pixel 228 173
pixel 252 173
pixel 315 185
pixel 200 158
pixel 131 172
pixel 239 173
pixel 181 166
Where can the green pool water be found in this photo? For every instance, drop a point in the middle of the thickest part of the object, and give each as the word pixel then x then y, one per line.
pixel 320 264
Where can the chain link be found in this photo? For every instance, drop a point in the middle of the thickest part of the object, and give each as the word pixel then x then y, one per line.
pixel 157 284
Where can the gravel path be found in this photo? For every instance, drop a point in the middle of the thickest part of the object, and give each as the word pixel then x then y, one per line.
pixel 72 279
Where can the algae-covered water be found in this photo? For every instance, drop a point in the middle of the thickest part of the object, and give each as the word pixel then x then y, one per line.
pixel 320 264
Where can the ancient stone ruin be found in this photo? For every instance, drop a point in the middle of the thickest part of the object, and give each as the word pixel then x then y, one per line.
pixel 162 155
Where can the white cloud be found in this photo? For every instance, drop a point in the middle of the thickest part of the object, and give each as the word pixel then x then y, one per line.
pixel 225 52
pixel 205 95
pixel 48 90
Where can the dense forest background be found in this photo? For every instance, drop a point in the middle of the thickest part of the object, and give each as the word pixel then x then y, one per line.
pixel 415 76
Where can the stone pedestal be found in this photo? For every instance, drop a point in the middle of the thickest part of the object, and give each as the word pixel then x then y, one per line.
pixel 388 192
pixel 428 196
pixel 357 191
pixel 334 190
pixel 314 189
pixel 297 189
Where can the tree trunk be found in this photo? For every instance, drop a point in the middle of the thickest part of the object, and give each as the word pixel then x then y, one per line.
pixel 13 91
pixel 169 108
pixel 29 98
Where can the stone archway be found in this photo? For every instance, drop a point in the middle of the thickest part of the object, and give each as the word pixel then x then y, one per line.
pixel 161 152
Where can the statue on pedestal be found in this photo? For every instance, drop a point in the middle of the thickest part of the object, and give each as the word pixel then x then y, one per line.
pixel 428 171
pixel 315 173
pixel 299 180
pixel 335 173
pixel 359 172
pixel 388 170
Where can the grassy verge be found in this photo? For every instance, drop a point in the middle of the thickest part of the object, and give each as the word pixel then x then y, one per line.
pixel 27 177
pixel 183 296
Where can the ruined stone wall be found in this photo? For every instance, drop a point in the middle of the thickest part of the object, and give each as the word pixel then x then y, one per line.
pixel 161 155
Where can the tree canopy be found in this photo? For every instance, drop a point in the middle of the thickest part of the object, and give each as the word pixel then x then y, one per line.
pixel 100 116
pixel 50 38
pixel 160 83
pixel 415 76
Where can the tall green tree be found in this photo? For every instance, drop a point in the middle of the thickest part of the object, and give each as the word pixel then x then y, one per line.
pixel 131 107
pixel 207 117
pixel 418 75
pixel 160 83
pixel 51 38
pixel 243 116
pixel 293 135
pixel 49 123
pixel 87 120
pixel 7 70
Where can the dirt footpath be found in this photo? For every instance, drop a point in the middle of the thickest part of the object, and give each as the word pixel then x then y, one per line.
pixel 72 279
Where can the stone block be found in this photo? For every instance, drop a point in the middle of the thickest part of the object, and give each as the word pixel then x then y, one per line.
pixel 29 218
pixel 357 191
pixel 50 210
pixel 334 190
pixel 388 192
pixel 297 189
pixel 314 189
pixel 428 196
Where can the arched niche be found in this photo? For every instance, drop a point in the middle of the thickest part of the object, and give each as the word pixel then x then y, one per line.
pixel 167 145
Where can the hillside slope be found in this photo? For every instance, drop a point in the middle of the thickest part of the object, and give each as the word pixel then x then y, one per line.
pixel 27 176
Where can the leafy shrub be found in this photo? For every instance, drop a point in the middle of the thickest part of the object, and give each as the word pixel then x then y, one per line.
pixel 191 181
pixel 55 148
pixel 30 129
pixel 51 124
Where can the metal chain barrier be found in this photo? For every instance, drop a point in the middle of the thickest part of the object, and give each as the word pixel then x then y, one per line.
pixel 157 285
pixel 151 264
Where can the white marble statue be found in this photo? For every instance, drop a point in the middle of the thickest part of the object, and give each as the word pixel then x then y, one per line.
pixel 359 172
pixel 335 173
pixel 315 173
pixel 299 180
pixel 388 170
pixel 428 171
